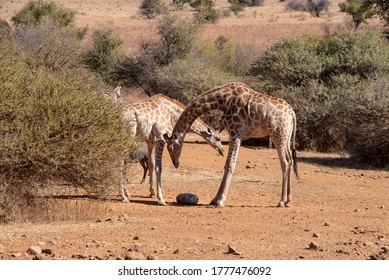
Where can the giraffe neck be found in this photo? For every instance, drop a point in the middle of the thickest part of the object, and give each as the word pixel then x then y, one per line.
pixel 209 101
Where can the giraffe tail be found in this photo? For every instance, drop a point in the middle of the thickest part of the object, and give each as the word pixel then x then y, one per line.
pixel 294 154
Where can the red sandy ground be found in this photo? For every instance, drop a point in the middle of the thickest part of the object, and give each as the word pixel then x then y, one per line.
pixel 337 212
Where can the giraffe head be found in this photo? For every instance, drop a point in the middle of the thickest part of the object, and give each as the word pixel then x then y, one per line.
pixel 176 141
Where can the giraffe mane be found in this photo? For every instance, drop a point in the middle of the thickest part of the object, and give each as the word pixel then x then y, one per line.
pixel 175 101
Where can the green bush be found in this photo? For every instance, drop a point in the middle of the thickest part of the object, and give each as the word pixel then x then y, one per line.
pixel 338 86
pixel 152 8
pixel 5 29
pixel 184 79
pixel 290 62
pixel 316 7
pixel 360 10
pixel 104 55
pixel 51 46
pixel 230 57
pixel 364 112
pixel 52 131
pixel 362 54
pixel 176 40
pixel 38 12
pixel 205 11
pixel 297 62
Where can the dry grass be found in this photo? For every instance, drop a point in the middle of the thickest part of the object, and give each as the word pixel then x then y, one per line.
pixel 261 26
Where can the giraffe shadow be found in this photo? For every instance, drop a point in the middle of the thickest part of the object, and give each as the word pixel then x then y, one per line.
pixel 349 163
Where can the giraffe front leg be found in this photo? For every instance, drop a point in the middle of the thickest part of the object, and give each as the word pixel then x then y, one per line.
pixel 123 192
pixel 229 168
pixel 159 146
pixel 151 164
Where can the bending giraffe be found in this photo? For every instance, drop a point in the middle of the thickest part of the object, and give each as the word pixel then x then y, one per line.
pixel 246 114
pixel 149 121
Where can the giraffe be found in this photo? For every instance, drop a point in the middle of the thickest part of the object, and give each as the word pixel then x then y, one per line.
pixel 114 95
pixel 246 114
pixel 150 120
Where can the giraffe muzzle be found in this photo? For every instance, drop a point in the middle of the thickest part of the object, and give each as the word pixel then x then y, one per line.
pixel 176 163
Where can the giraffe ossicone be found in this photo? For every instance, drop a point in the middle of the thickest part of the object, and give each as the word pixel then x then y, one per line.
pixel 246 114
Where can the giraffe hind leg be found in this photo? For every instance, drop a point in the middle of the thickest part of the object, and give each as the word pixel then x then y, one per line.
pixel 285 157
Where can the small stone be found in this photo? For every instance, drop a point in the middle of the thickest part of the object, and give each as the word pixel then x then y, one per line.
pixel 135 256
pixel 152 257
pixel 376 257
pixel 1 249
pixel 48 251
pixel 249 166
pixel 34 250
pixel 176 252
pixel 327 224
pixel 135 247
pixel 38 257
pixel 313 246
pixel 16 254
pixel 315 235
pixel 136 238
pixel 368 244
pixel 232 250
pixel 381 238
pixel 343 252
pixel 78 256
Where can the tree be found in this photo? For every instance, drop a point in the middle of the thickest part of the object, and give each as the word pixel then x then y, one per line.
pixel 360 10
pixel 205 11
pixel 382 7
pixel 315 7
pixel 38 12
pixel 104 55
pixel 152 8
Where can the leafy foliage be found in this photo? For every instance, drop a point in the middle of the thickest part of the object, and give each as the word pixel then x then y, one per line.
pixel 296 62
pixel 248 3
pixel 38 12
pixel 342 100
pixel 360 10
pixel 316 7
pixel 104 55
pixel 176 39
pixel 55 127
pixel 205 11
pixel 152 8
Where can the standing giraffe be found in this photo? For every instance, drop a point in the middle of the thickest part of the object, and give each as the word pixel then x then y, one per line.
pixel 149 121
pixel 246 114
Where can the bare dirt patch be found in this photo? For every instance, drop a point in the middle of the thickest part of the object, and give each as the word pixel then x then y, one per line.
pixel 338 212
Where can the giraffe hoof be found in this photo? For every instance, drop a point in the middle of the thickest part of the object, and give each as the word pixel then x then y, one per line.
pixel 214 202
pixel 281 204
pixel 125 200
pixel 162 203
